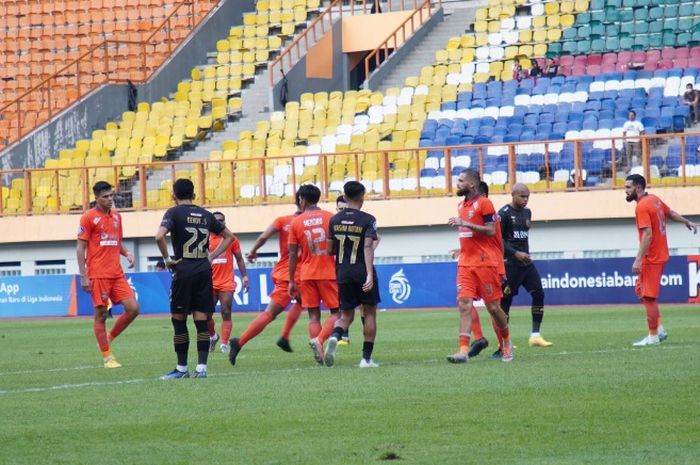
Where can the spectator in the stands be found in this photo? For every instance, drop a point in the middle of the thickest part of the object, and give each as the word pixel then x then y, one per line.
pixel 691 97
pixel 552 68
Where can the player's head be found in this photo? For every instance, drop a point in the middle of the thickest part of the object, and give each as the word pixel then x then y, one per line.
pixel 309 195
pixel 468 182
pixel 220 217
pixel 483 189
pixel 354 193
pixel 635 184
pixel 183 189
pixel 520 194
pixel 632 115
pixel 104 195
pixel 340 203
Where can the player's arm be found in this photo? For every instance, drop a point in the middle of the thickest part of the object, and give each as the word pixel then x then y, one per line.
pixel 241 267
pixel 369 264
pixel 163 247
pixel 81 248
pixel 293 250
pixel 260 241
pixel 375 243
pixel 644 244
pixel 488 229
pixel 223 245
pixel 128 255
pixel 681 219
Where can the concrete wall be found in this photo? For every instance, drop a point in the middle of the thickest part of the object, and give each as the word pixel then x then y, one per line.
pixel 298 83
pixel 109 102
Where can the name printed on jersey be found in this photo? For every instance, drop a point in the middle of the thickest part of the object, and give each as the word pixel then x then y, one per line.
pixel 219 261
pixel 313 221
pixel 465 232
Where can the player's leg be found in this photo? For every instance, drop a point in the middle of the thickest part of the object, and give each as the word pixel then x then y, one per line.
pixel 226 301
pixel 121 293
pixel 99 292
pixel 329 294
pixel 370 333
pixel 348 294
pixel 211 324
pixel 514 279
pixel 465 299
pixel 180 297
pixel 533 285
pixel 312 301
pixel 647 288
pixel 290 320
pixel 260 322
pixel 489 288
pixel 479 342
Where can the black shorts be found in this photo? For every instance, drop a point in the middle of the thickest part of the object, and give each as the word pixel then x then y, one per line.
pixel 194 293
pixel 351 295
pixel 526 276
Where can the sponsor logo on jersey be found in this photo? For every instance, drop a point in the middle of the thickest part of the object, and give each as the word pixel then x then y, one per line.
pixel 399 287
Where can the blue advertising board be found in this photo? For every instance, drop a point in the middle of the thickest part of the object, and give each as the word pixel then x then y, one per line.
pixel 422 285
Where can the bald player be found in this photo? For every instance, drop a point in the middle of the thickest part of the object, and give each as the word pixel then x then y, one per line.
pixel 520 270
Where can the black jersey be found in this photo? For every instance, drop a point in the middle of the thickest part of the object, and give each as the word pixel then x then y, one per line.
pixel 515 228
pixel 348 230
pixel 189 227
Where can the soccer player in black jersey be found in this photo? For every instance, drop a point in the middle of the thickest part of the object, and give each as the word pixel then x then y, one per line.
pixel 520 270
pixel 352 234
pixel 191 290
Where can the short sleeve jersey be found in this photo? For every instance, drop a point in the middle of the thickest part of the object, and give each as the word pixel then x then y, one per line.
pixel 222 266
pixel 349 229
pixel 189 227
pixel 651 213
pixel 477 250
pixel 515 228
pixel 310 231
pixel 632 129
pixel 103 234
pixel 283 225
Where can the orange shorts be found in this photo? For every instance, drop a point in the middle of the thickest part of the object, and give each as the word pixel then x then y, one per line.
pixel 479 283
pixel 649 280
pixel 228 286
pixel 316 290
pixel 105 289
pixel 280 294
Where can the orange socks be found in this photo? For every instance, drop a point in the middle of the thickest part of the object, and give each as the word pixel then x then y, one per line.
pixel 255 327
pixel 101 335
pixel 653 315
pixel 226 328
pixel 328 327
pixel 314 329
pixel 292 317
pixel 464 343
pixel 477 332
pixel 122 323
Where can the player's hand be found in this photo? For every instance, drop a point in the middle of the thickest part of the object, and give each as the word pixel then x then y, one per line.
pixel 369 284
pixel 523 257
pixel 454 253
pixel 130 260
pixel 637 266
pixel 246 284
pixel 171 264
pixel 251 256
pixel 85 283
pixel 455 221
pixel 692 227
pixel 292 290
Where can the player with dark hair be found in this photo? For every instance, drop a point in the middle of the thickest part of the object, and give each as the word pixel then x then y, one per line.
pixel 224 285
pixel 279 298
pixel 308 235
pixel 520 270
pixel 101 275
pixel 478 267
pixel 352 236
pixel 191 290
pixel 651 213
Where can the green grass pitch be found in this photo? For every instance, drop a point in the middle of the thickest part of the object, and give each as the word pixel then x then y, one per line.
pixel 589 399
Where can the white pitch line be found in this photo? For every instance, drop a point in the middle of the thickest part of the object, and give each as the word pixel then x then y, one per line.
pixel 288 370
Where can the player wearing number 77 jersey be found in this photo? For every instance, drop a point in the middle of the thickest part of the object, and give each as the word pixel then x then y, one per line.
pixel 308 234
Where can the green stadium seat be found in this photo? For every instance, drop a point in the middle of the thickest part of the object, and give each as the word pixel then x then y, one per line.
pixel 569 47
pixel 554 50
pixel 696 9
pixel 686 9
pixel 656 40
pixel 597 5
pixel 671 11
pixel 626 43
pixel 626 16
pixel 669 39
pixel 598 16
pixel 584 32
pixel 683 39
pixel 627 28
pixel 614 3
pixel 642 3
pixel 641 27
pixel 628 3
pixel 641 14
pixel 612 30
pixel 695 37
pixel 656 26
pixel 582 19
pixel 641 42
pixel 612 44
pixel 685 24
pixel 656 13
pixel 570 33
pixel 597 31
pixel 612 15
pixel 670 24
pixel 583 46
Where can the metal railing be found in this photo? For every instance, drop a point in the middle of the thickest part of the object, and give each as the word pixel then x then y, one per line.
pixel 108 60
pixel 388 174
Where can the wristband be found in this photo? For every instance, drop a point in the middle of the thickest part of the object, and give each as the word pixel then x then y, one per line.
pixel 125 253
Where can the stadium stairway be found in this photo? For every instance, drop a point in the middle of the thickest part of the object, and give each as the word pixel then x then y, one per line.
pixel 458 17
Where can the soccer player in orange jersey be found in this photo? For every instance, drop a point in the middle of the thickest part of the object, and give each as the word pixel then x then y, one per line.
pixel 308 234
pixel 224 284
pixel 279 298
pixel 478 267
pixel 651 214
pixel 101 274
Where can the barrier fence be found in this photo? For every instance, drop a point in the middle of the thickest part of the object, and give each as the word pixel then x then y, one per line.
pixel 565 282
pixel 400 173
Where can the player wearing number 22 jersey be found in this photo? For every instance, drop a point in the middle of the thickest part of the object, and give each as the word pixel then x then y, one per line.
pixel 308 234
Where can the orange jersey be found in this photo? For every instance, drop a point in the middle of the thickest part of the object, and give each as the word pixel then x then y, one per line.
pixel 477 250
pixel 497 243
pixel 103 234
pixel 651 213
pixel 222 266
pixel 281 270
pixel 310 231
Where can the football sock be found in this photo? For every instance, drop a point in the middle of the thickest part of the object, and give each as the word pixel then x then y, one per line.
pixel 201 367
pixel 346 334
pixel 537 315
pixel 314 329
pixel 202 341
pixel 122 322
pixel 211 326
pixel 328 326
pixel 506 302
pixel 477 332
pixel 338 333
pixel 367 348
pixel 226 328
pixel 497 330
pixel 255 327
pixel 505 334
pixel 464 343
pixel 181 341
pixel 98 327
pixel 291 319
pixel 653 316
